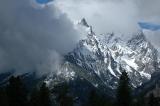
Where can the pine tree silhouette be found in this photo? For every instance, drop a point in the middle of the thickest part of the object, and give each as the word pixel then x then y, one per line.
pixel 64 98
pixel 97 99
pixel 44 96
pixel 34 98
pixel 94 99
pixel 124 91
pixel 152 100
pixel 3 97
pixel 16 92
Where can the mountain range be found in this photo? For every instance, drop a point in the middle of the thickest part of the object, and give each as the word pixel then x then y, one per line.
pixel 98 61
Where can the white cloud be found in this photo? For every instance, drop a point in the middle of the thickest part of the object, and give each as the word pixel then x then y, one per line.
pixel 31 34
pixel 153 37
pixel 112 15
pixel 103 15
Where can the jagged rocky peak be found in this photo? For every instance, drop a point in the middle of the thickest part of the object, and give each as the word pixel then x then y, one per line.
pixel 84 22
pixel 99 58
pixel 137 40
pixel 139 36
pixel 104 54
pixel 88 28
pixel 110 38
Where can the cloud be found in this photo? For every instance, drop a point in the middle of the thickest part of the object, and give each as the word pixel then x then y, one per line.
pixel 153 37
pixel 110 15
pixel 33 36
pixel 149 10
pixel 119 16
pixel 103 15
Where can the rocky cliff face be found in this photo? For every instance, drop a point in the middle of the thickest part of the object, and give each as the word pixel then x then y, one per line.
pixel 100 59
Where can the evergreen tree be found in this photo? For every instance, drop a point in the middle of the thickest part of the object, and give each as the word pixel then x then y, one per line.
pixel 66 101
pixel 140 100
pixel 34 98
pixel 152 101
pixel 96 99
pixel 3 97
pixel 44 96
pixel 16 92
pixel 124 91
pixel 64 98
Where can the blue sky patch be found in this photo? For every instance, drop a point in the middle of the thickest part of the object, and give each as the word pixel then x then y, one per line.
pixel 43 1
pixel 149 26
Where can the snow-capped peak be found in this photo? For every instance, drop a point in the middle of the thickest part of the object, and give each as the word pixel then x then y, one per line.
pixel 100 59
pixel 104 54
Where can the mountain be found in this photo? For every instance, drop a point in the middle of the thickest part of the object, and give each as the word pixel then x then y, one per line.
pixel 105 56
pixel 98 60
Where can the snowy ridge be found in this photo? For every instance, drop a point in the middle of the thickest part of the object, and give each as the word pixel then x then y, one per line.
pixel 104 54
pixel 100 59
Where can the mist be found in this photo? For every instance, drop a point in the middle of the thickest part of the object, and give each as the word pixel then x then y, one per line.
pixel 33 37
pixel 118 16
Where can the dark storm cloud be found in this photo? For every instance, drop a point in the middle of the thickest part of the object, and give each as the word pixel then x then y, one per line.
pixel 32 36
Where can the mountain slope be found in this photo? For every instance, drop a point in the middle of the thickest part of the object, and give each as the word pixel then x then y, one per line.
pixel 107 55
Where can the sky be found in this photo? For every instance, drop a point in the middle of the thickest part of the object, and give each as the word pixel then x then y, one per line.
pixel 43 1
pixel 149 26
pixel 35 34
pixel 119 16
